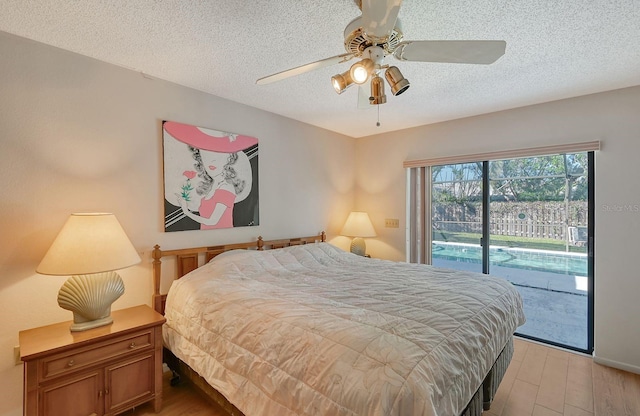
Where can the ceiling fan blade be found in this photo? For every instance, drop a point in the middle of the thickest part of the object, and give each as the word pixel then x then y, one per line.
pixel 451 51
pixel 305 68
pixel 379 17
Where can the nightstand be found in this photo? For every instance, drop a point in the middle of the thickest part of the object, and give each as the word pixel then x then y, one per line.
pixel 101 371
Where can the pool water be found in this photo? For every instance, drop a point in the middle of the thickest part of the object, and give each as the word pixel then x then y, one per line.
pixel 528 259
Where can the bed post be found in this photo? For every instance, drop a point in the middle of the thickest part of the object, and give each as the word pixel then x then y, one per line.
pixel 158 303
pixel 260 244
pixel 323 237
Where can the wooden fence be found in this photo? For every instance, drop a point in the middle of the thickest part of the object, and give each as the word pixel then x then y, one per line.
pixel 520 219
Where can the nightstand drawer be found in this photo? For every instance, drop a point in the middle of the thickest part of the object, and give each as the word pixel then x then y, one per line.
pixel 81 358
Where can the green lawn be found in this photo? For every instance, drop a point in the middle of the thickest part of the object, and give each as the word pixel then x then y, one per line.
pixel 507 241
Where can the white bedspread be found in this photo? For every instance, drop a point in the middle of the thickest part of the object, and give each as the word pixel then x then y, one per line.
pixel 313 330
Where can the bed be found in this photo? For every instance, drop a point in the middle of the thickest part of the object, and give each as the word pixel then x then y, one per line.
pixel 305 328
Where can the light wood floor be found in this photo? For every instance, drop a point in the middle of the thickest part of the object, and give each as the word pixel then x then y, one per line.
pixel 545 381
pixel 540 381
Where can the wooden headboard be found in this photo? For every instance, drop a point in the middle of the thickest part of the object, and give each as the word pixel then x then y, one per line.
pixel 189 259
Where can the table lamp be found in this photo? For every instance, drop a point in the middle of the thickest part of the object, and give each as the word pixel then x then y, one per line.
pixel 359 226
pixel 89 248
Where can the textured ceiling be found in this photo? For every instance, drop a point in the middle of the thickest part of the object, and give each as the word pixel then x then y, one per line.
pixel 555 49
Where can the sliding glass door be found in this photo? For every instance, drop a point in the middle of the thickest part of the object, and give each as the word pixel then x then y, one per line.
pixel 456 204
pixel 535 215
pixel 538 226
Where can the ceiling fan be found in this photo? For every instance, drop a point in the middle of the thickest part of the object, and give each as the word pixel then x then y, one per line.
pixel 377 34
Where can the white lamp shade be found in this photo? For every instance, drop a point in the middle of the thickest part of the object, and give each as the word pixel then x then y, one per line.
pixel 358 224
pixel 89 243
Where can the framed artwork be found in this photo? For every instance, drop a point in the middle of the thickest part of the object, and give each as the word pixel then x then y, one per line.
pixel 210 178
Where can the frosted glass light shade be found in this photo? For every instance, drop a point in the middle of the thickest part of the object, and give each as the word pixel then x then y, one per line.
pixel 358 225
pixel 89 247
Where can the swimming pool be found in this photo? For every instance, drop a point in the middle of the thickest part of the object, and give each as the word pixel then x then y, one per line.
pixel 527 259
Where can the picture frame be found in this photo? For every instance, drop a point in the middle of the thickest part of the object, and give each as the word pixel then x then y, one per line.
pixel 210 178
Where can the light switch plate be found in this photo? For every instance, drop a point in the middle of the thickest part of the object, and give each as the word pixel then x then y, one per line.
pixel 392 223
pixel 16 355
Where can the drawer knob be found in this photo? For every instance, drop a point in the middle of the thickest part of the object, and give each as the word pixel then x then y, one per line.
pixel 71 363
pixel 132 345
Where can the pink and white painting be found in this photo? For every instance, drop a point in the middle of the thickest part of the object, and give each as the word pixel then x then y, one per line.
pixel 210 178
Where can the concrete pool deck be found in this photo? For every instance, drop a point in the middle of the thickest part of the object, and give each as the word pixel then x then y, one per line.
pixel 555 305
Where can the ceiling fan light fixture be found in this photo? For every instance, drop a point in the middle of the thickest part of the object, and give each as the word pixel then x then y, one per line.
pixel 341 82
pixel 360 71
pixel 396 80
pixel 377 34
pixel 377 91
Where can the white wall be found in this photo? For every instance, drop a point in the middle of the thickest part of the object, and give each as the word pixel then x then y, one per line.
pixel 611 117
pixel 79 135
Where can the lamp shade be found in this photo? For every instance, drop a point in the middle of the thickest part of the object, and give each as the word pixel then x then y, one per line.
pixel 89 243
pixel 358 224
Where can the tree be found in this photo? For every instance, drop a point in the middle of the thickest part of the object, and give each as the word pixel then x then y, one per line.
pixel 543 178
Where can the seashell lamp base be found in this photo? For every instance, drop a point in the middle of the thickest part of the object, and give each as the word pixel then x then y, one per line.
pixel 89 297
pixel 358 246
pixel 83 326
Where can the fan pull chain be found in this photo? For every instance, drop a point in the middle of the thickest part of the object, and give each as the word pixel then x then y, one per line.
pixel 378 122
